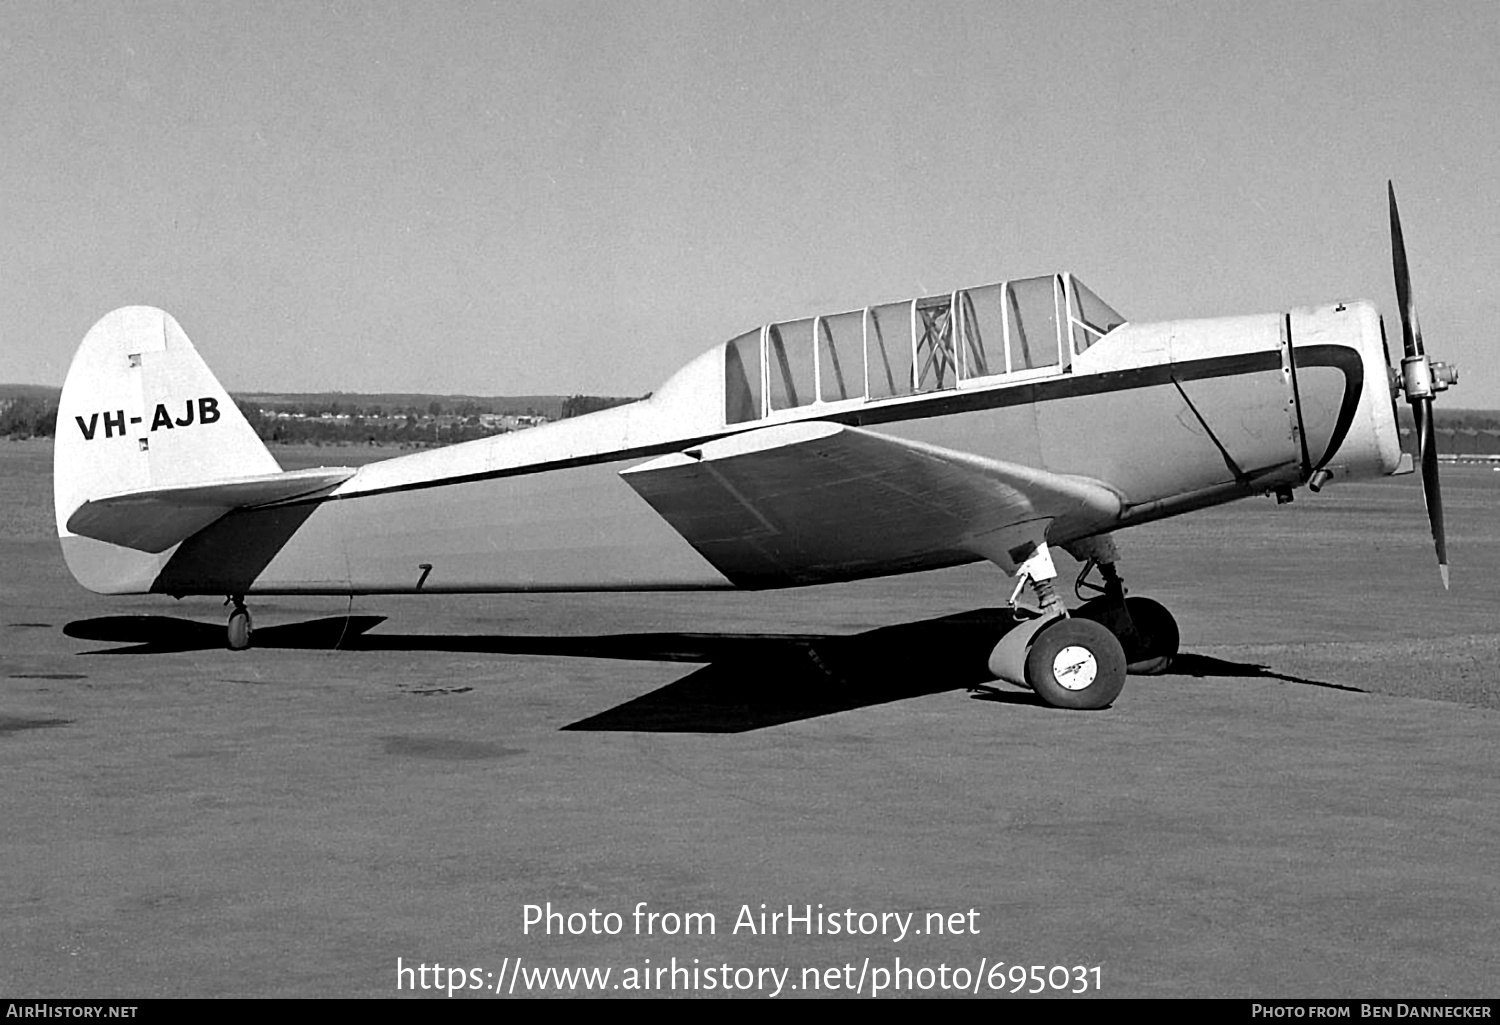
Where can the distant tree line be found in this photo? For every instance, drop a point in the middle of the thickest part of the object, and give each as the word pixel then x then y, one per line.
pixel 331 423
pixel 578 405
pixel 406 429
pixel 436 407
pixel 26 417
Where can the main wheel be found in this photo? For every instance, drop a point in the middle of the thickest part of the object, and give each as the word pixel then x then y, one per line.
pixel 1156 637
pixel 239 628
pixel 1076 663
pixel 1151 641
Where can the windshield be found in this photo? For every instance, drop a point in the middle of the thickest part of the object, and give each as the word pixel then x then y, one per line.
pixel 1093 318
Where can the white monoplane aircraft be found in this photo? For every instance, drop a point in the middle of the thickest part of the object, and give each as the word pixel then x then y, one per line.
pixel 984 423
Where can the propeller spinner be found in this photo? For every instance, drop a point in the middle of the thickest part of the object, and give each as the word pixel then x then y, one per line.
pixel 1420 380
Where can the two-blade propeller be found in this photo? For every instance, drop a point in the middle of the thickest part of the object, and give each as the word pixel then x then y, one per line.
pixel 1420 380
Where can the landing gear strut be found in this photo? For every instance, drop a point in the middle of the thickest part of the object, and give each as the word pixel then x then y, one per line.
pixel 1146 630
pixel 239 624
pixel 1068 662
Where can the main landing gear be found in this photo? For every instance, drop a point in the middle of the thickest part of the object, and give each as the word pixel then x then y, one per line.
pixel 239 623
pixel 1080 661
pixel 1068 662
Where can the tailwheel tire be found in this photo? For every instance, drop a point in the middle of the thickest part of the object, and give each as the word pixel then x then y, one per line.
pixel 1150 642
pixel 239 629
pixel 1076 663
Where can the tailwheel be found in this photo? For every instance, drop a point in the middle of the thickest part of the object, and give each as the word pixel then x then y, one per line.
pixel 1145 629
pixel 1076 663
pixel 239 626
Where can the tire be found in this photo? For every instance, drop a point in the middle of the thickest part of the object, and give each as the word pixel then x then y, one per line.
pixel 1076 663
pixel 239 629
pixel 1153 642
pixel 1156 637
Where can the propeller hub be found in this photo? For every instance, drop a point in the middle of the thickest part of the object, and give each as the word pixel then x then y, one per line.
pixel 1416 378
pixel 1421 378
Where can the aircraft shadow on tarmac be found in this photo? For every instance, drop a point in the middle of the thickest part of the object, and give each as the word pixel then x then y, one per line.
pixel 749 681
pixel 1200 666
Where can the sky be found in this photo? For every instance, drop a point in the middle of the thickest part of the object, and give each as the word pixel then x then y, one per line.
pixel 521 198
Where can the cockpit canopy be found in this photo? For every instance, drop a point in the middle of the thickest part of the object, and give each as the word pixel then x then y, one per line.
pixel 1016 330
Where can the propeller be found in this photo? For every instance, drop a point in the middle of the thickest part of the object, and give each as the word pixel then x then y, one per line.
pixel 1420 380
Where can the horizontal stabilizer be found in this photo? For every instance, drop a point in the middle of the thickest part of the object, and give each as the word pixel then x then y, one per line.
pixel 815 501
pixel 155 519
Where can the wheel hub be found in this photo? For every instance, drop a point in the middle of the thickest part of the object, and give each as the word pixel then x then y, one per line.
pixel 1074 667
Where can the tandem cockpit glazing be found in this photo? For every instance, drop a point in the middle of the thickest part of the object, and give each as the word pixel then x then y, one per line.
pixel 1007 331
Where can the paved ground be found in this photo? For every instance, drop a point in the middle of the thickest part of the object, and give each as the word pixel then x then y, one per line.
pixel 1307 808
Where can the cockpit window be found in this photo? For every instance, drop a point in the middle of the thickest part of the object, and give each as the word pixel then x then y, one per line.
pixel 888 348
pixel 1031 311
pixel 981 324
pixel 841 356
pixel 791 364
pixel 937 366
pixel 742 378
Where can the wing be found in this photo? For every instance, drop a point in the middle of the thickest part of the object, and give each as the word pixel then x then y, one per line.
pixel 814 502
pixel 155 519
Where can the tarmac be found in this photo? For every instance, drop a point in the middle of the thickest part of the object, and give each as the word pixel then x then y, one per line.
pixel 1304 807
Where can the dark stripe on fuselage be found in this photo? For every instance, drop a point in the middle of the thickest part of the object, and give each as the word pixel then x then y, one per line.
pixel 948 403
pixel 1349 362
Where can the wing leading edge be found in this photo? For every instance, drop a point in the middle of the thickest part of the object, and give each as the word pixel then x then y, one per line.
pixel 815 502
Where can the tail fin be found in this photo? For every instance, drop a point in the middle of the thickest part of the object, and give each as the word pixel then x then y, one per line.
pixel 139 411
